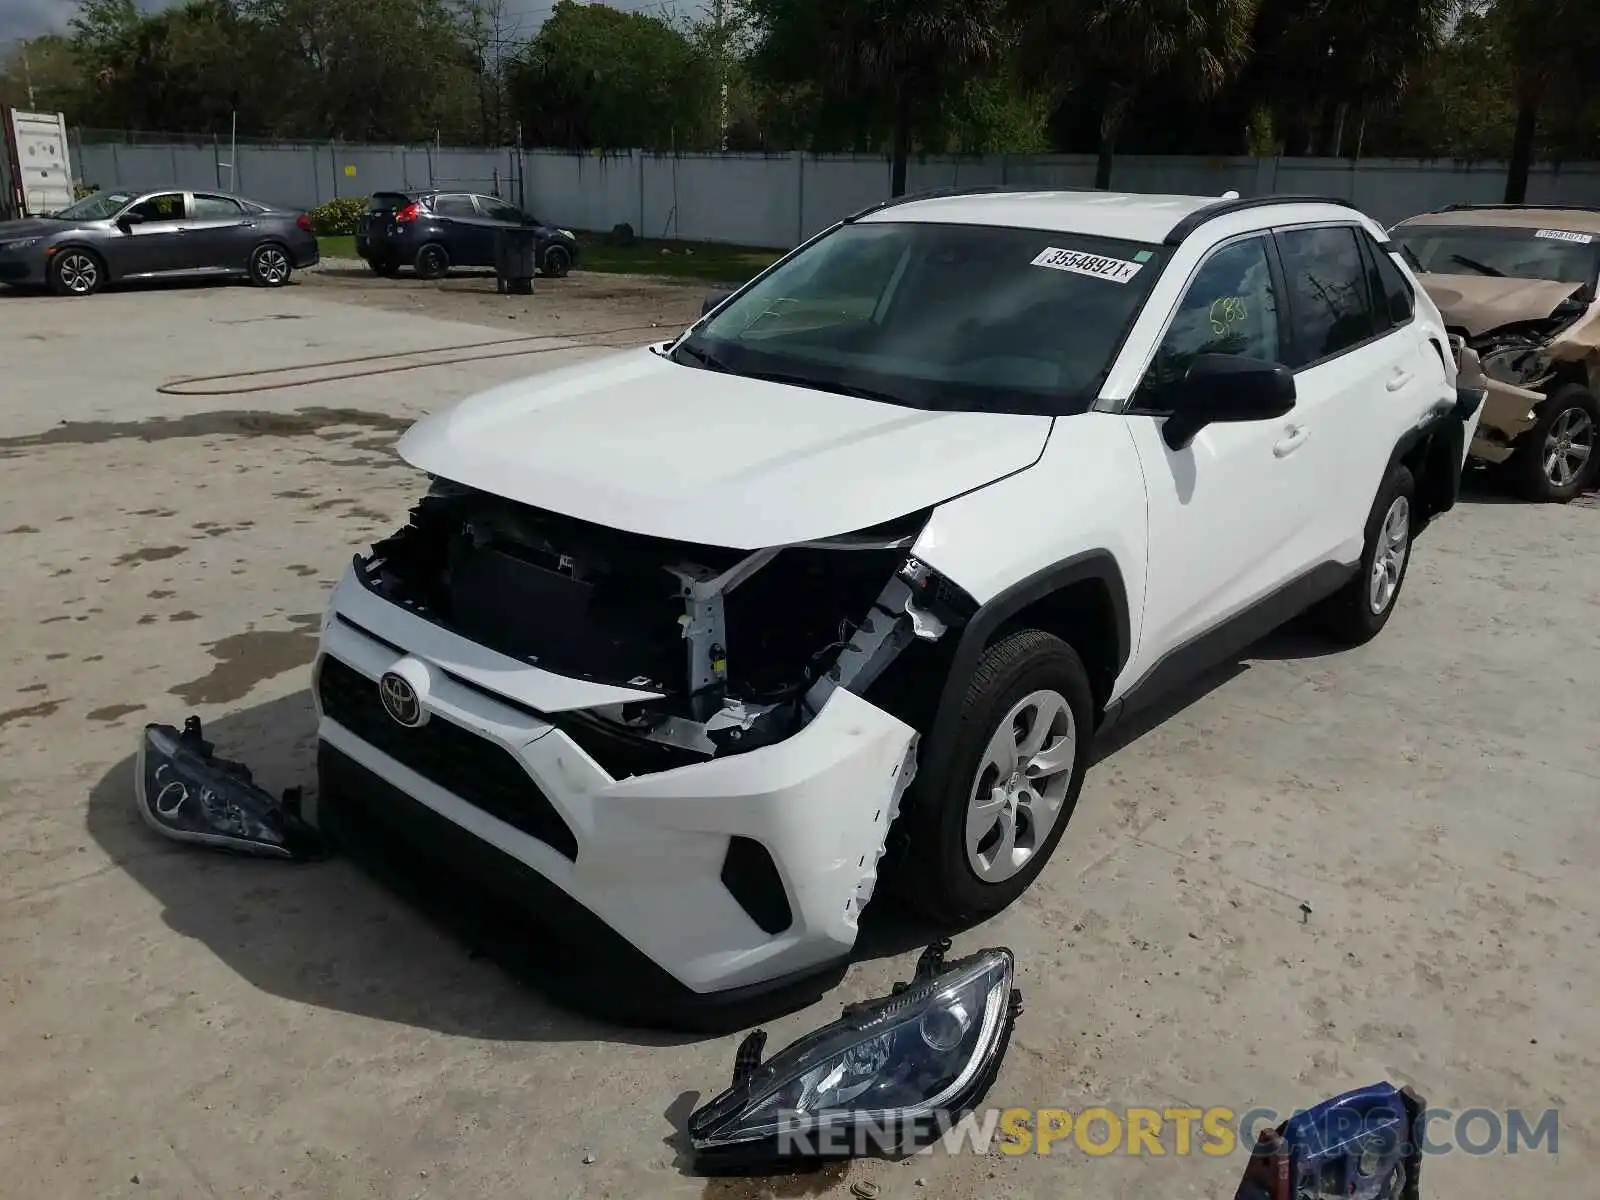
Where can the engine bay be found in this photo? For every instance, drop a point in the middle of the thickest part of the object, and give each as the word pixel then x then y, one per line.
pixel 741 648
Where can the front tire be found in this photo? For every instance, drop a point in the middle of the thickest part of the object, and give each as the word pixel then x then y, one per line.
pixel 1357 612
pixel 76 272
pixel 557 262
pixel 1020 747
pixel 270 266
pixel 1556 459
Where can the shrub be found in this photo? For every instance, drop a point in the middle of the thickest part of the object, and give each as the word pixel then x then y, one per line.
pixel 337 218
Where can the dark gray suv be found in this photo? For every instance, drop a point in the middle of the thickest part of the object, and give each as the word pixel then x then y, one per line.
pixel 122 235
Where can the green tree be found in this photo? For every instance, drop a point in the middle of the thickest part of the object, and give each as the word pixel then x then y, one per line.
pixel 176 70
pixel 369 70
pixel 870 68
pixel 1552 47
pixel 1460 104
pixel 1111 51
pixel 1320 68
pixel 44 67
pixel 597 77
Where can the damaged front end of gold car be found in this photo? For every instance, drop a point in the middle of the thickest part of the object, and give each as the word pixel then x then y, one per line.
pixel 1534 348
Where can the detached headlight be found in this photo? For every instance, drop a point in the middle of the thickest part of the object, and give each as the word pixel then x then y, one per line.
pixel 888 1074
pixel 186 793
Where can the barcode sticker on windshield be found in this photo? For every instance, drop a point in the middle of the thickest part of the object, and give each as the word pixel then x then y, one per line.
pixel 1565 235
pixel 1079 263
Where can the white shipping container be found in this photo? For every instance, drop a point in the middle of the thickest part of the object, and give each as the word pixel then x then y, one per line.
pixel 35 165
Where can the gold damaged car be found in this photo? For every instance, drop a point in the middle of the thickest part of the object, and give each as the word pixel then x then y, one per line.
pixel 1518 285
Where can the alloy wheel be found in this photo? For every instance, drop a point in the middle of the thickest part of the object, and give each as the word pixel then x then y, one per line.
pixel 79 273
pixel 1394 544
pixel 272 265
pixel 1021 785
pixel 1568 447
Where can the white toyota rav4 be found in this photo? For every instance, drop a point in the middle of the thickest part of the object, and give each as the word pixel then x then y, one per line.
pixel 684 640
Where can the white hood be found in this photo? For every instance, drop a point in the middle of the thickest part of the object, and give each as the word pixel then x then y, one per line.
pixel 637 442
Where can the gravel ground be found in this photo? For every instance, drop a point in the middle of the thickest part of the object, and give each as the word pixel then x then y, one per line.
pixel 179 1024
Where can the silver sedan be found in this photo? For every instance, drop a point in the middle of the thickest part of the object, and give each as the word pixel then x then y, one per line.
pixel 117 236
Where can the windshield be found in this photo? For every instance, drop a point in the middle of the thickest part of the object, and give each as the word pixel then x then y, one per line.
pixel 1556 255
pixel 938 316
pixel 97 207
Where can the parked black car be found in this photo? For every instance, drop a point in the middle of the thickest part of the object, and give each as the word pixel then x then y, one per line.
pixel 113 236
pixel 434 231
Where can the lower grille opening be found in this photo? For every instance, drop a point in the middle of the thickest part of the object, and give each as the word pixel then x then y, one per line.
pixel 483 773
pixel 752 878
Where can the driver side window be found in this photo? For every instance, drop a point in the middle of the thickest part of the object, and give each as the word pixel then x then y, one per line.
pixel 1231 307
pixel 166 207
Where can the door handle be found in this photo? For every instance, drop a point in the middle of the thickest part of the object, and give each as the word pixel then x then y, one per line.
pixel 1293 438
pixel 1399 380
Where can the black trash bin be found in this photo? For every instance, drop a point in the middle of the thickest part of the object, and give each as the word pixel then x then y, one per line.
pixel 515 255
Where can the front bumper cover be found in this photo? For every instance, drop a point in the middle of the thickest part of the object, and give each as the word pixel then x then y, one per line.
pixel 653 869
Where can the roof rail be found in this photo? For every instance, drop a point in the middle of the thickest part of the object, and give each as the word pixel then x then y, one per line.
pixel 1515 207
pixel 1222 208
pixel 981 189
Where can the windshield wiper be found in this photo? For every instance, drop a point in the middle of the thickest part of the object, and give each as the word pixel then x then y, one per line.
pixel 823 385
pixel 704 358
pixel 1480 268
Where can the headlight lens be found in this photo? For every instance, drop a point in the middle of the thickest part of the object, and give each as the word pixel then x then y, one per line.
pixel 20 243
pixel 186 793
pixel 885 1072
pixel 567 233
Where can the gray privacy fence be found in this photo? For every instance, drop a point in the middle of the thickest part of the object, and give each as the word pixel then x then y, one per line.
pixel 297 174
pixel 778 199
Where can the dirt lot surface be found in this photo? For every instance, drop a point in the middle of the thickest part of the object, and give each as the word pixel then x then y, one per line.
pixel 1319 871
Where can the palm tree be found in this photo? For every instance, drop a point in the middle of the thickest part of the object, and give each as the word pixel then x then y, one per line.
pixel 1112 48
pixel 1315 62
pixel 893 63
pixel 1553 46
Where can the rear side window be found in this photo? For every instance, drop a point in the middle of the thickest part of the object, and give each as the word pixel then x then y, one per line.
pixel 498 210
pixel 454 206
pixel 1391 291
pixel 1330 302
pixel 215 207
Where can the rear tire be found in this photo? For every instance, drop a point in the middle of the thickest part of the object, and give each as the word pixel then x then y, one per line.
pixel 557 262
pixel 270 266
pixel 979 836
pixel 432 262
pixel 1557 459
pixel 1357 612
pixel 75 272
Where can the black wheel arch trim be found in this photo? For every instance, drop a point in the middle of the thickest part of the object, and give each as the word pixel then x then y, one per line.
pixel 1443 439
pixel 1089 566
pixel 82 248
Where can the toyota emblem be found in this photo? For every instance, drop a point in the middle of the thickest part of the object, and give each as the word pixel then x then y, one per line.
pixel 400 700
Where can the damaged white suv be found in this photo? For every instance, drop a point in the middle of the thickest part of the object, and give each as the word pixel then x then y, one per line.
pixel 681 641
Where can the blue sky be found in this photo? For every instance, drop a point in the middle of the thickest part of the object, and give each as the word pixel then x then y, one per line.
pixel 30 18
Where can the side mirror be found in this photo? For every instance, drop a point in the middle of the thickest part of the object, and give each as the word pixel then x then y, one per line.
pixel 128 220
pixel 1225 388
pixel 713 300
